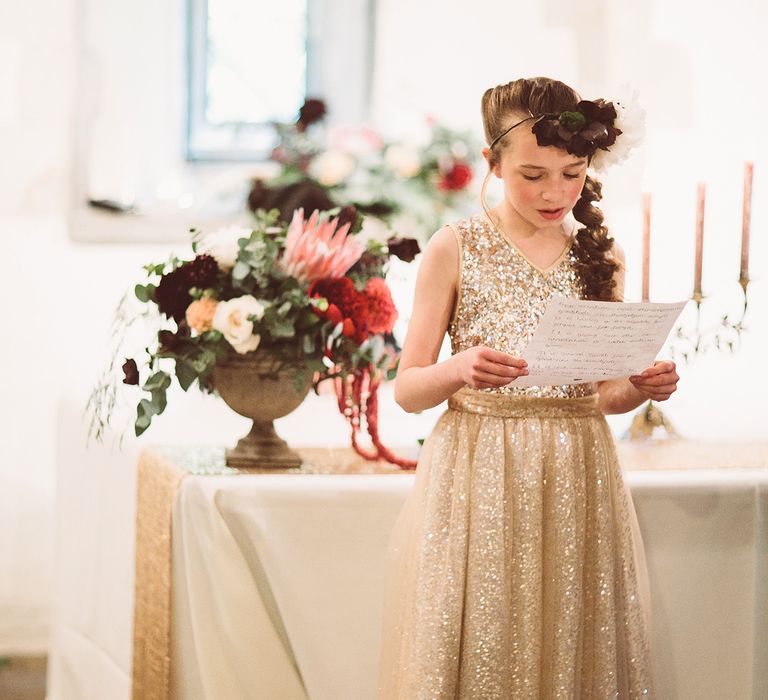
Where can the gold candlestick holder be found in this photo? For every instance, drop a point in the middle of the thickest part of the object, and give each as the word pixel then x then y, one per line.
pixel 689 344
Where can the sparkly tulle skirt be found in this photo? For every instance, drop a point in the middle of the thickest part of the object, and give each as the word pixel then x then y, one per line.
pixel 516 566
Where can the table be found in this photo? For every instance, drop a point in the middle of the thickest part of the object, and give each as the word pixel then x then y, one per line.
pixel 277 578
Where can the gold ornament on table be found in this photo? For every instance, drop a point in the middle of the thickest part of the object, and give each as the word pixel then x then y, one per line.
pixel 688 344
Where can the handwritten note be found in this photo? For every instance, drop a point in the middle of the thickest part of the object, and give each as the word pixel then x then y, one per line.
pixel 580 341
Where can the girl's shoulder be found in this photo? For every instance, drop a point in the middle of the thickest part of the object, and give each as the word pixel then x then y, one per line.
pixel 466 226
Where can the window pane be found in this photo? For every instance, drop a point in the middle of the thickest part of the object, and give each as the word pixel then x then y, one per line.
pixel 256 60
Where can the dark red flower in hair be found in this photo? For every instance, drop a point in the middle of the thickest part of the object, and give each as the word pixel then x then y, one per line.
pixel 457 178
pixel 581 131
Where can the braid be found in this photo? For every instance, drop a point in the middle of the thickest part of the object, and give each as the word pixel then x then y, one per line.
pixel 593 244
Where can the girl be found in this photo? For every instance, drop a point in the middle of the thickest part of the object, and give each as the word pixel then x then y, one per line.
pixel 516 567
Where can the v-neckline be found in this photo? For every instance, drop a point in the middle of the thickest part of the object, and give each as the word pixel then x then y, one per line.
pixel 514 247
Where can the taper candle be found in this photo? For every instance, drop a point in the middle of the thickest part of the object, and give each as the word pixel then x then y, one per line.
pixel 646 244
pixel 745 221
pixel 701 192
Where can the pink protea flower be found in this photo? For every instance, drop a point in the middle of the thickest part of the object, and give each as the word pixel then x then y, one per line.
pixel 315 250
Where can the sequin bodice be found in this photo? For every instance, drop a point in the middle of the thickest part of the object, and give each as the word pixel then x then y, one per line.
pixel 502 296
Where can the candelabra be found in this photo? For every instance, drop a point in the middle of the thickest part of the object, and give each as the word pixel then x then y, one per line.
pixel 688 344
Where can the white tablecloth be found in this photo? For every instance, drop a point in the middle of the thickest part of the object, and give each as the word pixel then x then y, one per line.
pixel 278 583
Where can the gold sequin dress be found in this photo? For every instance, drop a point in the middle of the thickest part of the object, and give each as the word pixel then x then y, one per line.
pixel 516 567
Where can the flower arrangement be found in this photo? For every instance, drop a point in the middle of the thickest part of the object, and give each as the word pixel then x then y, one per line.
pixel 411 187
pixel 311 293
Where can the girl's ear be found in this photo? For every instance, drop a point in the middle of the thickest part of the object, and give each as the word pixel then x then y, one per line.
pixel 493 168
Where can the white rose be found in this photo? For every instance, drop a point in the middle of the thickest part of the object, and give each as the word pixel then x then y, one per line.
pixel 630 119
pixel 331 167
pixel 232 319
pixel 222 245
pixel 403 160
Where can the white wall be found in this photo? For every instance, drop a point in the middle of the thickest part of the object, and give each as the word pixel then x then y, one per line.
pixel 437 58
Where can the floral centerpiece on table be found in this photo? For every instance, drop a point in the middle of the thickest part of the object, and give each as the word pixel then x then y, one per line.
pixel 414 187
pixel 311 293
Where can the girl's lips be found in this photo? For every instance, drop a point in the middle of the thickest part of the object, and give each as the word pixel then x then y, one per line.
pixel 550 214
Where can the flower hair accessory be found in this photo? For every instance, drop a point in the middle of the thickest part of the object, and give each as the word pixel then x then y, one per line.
pixel 605 131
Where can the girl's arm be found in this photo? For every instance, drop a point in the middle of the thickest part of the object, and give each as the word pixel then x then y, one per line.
pixel 658 382
pixel 421 381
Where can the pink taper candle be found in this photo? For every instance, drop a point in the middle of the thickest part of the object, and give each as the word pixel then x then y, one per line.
pixel 646 244
pixel 745 220
pixel 699 240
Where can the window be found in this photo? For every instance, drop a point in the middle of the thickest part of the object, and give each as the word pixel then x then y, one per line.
pixel 254 62
pixel 174 102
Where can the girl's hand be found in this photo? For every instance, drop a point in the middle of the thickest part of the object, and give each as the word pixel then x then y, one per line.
pixel 484 368
pixel 659 382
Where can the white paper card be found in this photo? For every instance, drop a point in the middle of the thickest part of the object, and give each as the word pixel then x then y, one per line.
pixel 579 341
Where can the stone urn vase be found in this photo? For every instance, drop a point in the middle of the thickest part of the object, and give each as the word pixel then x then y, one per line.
pixel 261 387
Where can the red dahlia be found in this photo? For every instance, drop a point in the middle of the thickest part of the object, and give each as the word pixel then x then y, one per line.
pixel 345 305
pixel 382 313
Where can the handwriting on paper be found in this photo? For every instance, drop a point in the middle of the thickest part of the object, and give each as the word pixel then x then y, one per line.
pixel 580 341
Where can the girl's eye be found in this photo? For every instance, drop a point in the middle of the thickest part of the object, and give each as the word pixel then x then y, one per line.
pixel 538 177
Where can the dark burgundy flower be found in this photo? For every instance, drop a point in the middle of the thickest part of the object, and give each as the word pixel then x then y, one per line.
pixel 258 194
pixel 131 372
pixel 546 129
pixel 581 131
pixel 457 178
pixel 564 133
pixel 170 342
pixel 348 215
pixel 579 146
pixel 404 248
pixel 594 130
pixel 172 294
pixel 313 110
pixel 598 111
pixel 202 271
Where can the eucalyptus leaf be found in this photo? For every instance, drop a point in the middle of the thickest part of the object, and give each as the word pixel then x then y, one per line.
pixel 240 270
pixel 157 380
pixel 144 293
pixel 185 373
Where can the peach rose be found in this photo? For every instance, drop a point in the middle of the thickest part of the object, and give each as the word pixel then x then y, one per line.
pixel 200 314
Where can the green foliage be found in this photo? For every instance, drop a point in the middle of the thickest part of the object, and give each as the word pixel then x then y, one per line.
pixel 291 329
pixel 145 292
pixel 157 386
